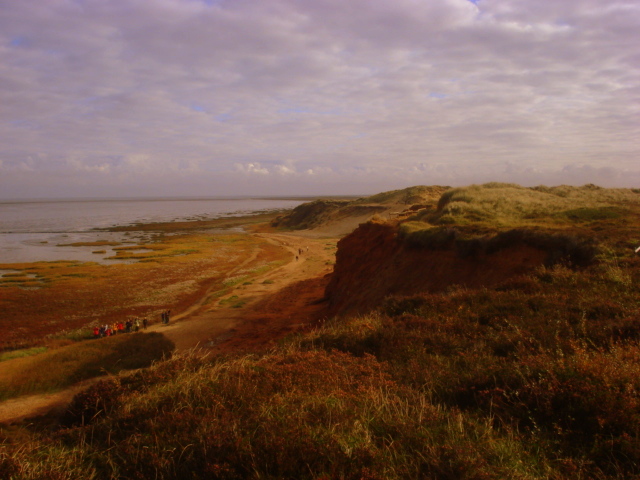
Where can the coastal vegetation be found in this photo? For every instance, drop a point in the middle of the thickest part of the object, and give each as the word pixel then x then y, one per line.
pixel 42 302
pixel 530 372
pixel 77 362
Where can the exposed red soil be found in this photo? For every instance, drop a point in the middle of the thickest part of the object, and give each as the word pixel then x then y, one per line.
pixel 372 263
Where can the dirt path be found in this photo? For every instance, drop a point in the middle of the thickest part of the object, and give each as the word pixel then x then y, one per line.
pixel 249 317
pixel 214 320
pixel 40 405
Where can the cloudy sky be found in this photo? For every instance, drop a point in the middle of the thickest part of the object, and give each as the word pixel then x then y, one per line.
pixel 263 97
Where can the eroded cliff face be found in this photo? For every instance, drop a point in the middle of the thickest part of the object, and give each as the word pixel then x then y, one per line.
pixel 373 263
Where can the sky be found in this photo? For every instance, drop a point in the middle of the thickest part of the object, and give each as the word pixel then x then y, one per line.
pixel 108 98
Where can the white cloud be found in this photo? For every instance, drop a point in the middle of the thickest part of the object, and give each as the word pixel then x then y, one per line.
pixel 368 88
pixel 252 168
pixel 284 170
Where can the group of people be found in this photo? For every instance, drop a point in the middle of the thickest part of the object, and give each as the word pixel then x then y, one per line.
pixel 127 327
pixel 119 327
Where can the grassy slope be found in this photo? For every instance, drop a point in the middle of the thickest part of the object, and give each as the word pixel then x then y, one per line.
pixel 321 212
pixel 537 378
pixel 498 205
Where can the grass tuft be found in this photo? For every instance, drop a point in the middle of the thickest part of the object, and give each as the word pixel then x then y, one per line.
pixel 59 368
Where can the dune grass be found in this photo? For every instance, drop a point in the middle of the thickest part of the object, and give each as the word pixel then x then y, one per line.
pixel 512 206
pixel 407 196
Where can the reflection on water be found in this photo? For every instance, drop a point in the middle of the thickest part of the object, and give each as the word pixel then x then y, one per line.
pixel 35 247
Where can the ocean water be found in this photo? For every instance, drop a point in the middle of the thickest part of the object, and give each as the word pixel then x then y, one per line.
pixel 33 230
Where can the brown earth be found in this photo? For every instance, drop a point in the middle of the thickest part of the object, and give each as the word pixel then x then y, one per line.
pixel 40 407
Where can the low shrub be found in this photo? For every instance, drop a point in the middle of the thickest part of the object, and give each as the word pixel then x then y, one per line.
pixel 303 415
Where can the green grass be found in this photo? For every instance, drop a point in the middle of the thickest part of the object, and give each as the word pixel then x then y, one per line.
pixel 590 214
pixel 233 301
pixel 56 369
pixel 25 352
pixel 101 243
pixel 512 206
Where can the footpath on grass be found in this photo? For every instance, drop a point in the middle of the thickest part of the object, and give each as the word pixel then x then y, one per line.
pixel 247 318
pixel 256 315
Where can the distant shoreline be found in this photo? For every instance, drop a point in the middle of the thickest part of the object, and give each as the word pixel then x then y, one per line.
pixel 304 198
pixel 36 231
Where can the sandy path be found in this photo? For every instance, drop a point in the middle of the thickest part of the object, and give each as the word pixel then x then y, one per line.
pixel 215 319
pixel 30 406
pixel 276 303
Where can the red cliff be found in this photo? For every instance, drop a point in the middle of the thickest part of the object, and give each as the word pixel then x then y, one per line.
pixel 373 262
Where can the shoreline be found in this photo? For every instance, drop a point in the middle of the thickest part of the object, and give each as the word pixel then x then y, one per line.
pixel 303 198
pixel 77 246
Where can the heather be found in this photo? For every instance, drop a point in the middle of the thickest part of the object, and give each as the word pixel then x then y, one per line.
pixel 534 377
pixel 550 358
pixel 538 378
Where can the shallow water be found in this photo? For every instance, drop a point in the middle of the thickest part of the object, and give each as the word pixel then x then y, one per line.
pixel 32 231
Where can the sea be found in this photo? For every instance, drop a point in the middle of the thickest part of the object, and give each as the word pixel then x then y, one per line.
pixel 41 230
